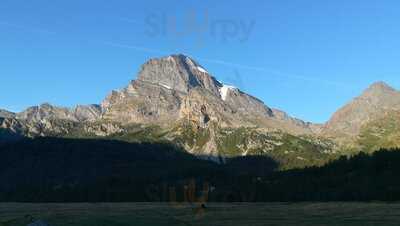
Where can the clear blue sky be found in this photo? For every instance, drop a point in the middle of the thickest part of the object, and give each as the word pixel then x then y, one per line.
pixel 306 57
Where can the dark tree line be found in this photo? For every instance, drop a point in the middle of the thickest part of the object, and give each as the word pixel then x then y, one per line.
pixel 77 170
pixel 360 178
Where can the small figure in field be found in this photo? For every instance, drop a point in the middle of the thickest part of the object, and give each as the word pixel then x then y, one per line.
pixel 33 222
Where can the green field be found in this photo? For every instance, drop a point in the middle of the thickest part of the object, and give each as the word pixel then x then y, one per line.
pixel 153 214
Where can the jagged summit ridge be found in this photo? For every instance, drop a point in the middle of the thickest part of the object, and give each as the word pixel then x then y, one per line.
pixel 178 72
pixel 380 86
pixel 379 93
pixel 182 73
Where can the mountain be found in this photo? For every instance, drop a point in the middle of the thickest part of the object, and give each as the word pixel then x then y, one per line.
pixel 192 108
pixel 376 102
pixel 176 100
pixel 152 137
pixel 176 88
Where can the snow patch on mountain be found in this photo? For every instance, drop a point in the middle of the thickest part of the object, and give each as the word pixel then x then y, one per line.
pixel 224 90
pixel 201 69
pixel 195 65
pixel 165 86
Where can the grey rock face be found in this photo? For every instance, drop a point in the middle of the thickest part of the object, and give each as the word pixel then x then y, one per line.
pixel 142 102
pixel 247 104
pixel 283 116
pixel 178 72
pixel 46 119
pixel 12 125
pixel 87 112
pixel 6 114
pixel 45 111
pixel 11 130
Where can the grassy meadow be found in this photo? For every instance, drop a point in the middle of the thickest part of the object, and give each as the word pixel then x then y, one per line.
pixel 240 214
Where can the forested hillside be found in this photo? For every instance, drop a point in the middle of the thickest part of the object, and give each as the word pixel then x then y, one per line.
pixel 69 170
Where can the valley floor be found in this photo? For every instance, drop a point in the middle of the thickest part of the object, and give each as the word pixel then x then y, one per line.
pixel 243 214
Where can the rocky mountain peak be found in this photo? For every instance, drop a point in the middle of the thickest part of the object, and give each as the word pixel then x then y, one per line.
pixel 380 95
pixel 178 72
pixel 375 101
pixel 379 89
pixel 48 111
pixel 43 111
pixel 176 88
pixel 380 85
pixel 6 114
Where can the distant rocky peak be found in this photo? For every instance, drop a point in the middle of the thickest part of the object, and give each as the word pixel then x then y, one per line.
pixel 380 94
pixel 46 106
pixel 43 111
pixel 379 88
pixel 381 85
pixel 47 111
pixel 375 101
pixel 6 114
pixel 178 72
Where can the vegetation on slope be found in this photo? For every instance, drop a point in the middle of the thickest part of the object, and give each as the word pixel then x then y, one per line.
pixel 290 151
pixel 381 133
